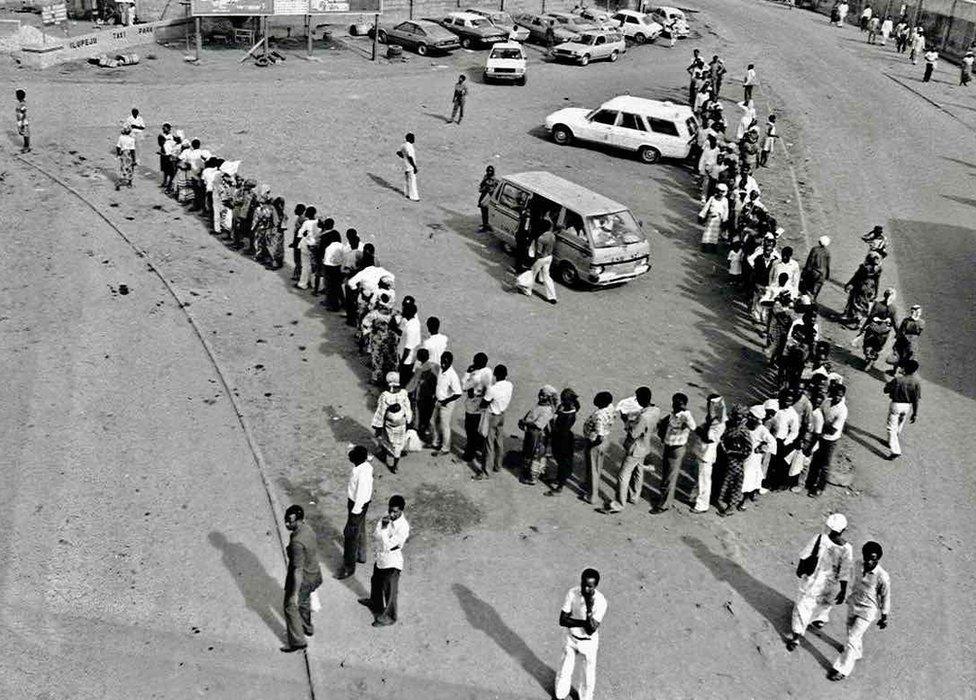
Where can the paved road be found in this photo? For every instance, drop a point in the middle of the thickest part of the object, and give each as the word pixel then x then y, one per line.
pixel 488 565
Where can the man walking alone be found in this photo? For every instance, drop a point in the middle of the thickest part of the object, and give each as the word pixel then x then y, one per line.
pixel 303 577
pixel 460 96
pixel 905 393
pixel 581 615
pixel 409 157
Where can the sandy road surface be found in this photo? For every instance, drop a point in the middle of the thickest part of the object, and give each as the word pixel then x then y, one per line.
pixel 697 605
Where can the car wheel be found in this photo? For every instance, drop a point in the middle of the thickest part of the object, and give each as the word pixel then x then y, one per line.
pixel 381 37
pixel 466 43
pixel 568 274
pixel 649 155
pixel 614 56
pixel 639 38
pixel 521 81
pixel 422 49
pixel 584 59
pixel 561 135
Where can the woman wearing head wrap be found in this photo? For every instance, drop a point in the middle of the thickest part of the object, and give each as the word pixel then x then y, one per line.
pixel 713 215
pixel 379 338
pixel 125 149
pixel 391 418
pixel 824 569
pixel 906 340
pixel 537 426
pixel 877 327
pixel 563 440
pixel 735 446
pixel 264 226
pixel 862 290
pixel 709 433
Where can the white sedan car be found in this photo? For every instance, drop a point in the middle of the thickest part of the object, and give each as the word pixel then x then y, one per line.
pixel 637 27
pixel 506 62
pixel 592 46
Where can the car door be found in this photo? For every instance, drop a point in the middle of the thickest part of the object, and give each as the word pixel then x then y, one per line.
pixel 406 34
pixel 630 132
pixel 504 211
pixel 599 127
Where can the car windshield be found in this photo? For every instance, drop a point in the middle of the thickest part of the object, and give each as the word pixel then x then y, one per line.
pixel 480 22
pixel 647 19
pixel 501 18
pixel 609 230
pixel 506 53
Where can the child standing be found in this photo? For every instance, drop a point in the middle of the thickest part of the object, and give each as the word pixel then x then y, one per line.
pixel 735 264
pixel 767 145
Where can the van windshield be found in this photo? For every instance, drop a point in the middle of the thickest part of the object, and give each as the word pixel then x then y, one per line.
pixel 609 230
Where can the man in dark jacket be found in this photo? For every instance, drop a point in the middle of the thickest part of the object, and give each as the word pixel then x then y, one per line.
pixel 303 577
pixel 816 270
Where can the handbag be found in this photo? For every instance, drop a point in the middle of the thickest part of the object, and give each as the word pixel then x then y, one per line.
pixel 808 565
pixel 412 442
pixel 483 423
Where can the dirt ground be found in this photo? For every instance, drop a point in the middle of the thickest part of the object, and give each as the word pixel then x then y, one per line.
pixel 697 604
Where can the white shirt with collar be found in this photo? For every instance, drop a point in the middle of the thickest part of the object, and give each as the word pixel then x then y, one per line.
pixel 410 340
pixel 448 384
pixel 576 607
pixel 499 396
pixel 435 345
pixel 388 543
pixel 835 416
pixel 360 490
pixel 333 255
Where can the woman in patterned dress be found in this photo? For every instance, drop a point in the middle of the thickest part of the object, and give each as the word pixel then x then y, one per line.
pixel 736 446
pixel 264 226
pixel 276 239
pixel 125 149
pixel 713 215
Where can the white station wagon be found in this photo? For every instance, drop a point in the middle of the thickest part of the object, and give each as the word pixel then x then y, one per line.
pixel 649 128
pixel 592 46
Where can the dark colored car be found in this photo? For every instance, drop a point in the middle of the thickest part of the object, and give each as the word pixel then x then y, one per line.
pixel 420 35
pixel 472 29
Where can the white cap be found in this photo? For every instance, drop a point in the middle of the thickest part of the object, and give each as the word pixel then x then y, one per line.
pixel 758 411
pixel 771 404
pixel 825 240
pixel 836 522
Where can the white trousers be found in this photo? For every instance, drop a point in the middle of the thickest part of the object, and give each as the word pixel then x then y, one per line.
pixel 441 425
pixel 704 483
pixel 586 648
pixel 539 272
pixel 410 185
pixel 856 627
pixel 807 610
pixel 306 275
pixel 897 415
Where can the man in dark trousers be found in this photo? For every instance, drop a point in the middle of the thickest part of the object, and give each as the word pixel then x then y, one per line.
pixel 460 97
pixel 905 393
pixel 359 493
pixel 390 535
pixel 816 271
pixel 303 577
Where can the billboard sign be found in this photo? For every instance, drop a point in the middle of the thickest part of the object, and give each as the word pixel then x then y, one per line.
pixel 251 8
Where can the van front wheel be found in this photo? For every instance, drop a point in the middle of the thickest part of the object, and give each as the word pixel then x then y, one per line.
pixel 649 155
pixel 568 275
pixel 561 135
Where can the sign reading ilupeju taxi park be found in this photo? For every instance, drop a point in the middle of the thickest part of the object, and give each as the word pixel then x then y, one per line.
pixel 251 8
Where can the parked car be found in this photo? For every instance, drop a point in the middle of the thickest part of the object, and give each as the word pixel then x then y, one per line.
pixel 573 23
pixel 598 240
pixel 649 128
pixel 598 17
pixel 503 20
pixel 506 62
pixel 420 35
pixel 592 46
pixel 538 24
pixel 472 29
pixel 664 15
pixel 637 27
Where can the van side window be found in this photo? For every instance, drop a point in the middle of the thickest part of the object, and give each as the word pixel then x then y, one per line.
pixel 509 197
pixel 662 126
pixel 631 121
pixel 605 116
pixel 573 224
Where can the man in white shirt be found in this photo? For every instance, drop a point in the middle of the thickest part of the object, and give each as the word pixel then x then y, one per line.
pixel 409 343
pixel 389 536
pixel 869 600
pixel 409 157
pixel 495 401
pixel 582 612
pixel 436 342
pixel 748 83
pixel 791 267
pixel 678 428
pixel 834 411
pixel 359 494
pixel 475 382
pixel 785 429
pixel 446 394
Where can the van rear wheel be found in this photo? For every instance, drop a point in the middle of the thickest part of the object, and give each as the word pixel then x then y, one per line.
pixel 561 135
pixel 649 155
pixel 568 274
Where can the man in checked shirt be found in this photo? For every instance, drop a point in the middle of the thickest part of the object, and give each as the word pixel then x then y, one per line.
pixel 869 600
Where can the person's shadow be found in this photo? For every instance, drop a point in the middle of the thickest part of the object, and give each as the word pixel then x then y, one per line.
pixel 262 593
pixel 765 600
pixel 483 617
